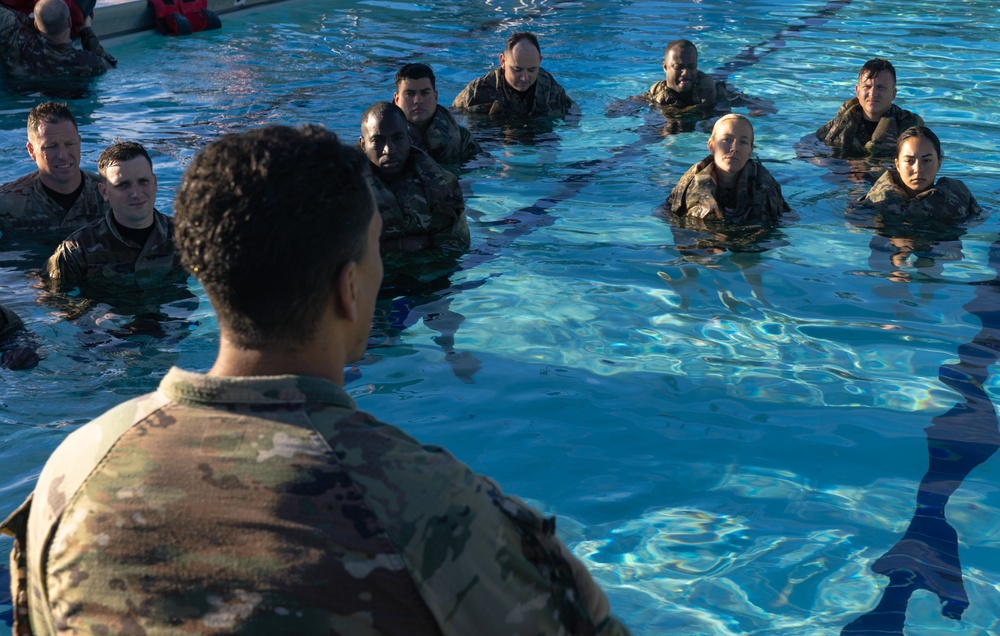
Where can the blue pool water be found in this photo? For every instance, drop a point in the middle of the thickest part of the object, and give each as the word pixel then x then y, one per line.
pixel 730 452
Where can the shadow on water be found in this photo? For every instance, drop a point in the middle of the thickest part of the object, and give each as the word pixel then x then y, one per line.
pixel 926 557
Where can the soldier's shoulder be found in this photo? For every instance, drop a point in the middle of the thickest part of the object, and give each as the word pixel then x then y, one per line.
pixel 21 185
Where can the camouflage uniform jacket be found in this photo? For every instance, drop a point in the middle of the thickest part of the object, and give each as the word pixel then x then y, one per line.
pixel 491 95
pixel 25 205
pixel 662 95
pixel 425 201
pixel 758 195
pixel 98 252
pixel 27 53
pixel 447 142
pixel 947 200
pixel 844 131
pixel 271 505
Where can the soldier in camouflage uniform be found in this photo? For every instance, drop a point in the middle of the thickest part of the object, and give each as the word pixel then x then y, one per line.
pixel 728 186
pixel 421 203
pixel 42 48
pixel 519 89
pixel 684 85
pixel 133 245
pixel 432 128
pixel 869 124
pixel 911 191
pixel 256 498
pixel 59 195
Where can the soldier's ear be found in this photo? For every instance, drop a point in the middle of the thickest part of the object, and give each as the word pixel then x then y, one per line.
pixel 31 150
pixel 501 60
pixel 103 189
pixel 346 290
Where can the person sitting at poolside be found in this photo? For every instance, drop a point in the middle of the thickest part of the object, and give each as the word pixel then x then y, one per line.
pixel 520 88
pixel 684 85
pixel 913 189
pixel 421 202
pixel 133 245
pixel 869 124
pixel 432 127
pixel 43 47
pixel 58 195
pixel 256 498
pixel 729 185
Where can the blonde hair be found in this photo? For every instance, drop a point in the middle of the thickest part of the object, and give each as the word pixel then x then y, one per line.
pixel 731 117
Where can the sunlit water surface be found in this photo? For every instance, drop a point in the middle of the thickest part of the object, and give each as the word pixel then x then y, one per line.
pixel 728 453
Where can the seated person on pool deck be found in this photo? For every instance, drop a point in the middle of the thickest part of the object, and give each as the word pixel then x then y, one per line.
pixel 868 124
pixel 684 85
pixel 729 185
pixel 257 498
pixel 133 245
pixel 43 48
pixel 433 128
pixel 421 202
pixel 58 195
pixel 520 88
pixel 911 190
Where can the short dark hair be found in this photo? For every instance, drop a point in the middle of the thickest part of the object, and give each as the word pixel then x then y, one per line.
pixel 874 67
pixel 415 71
pixel 521 36
pixel 48 113
pixel 919 131
pixel 265 220
pixel 381 110
pixel 680 44
pixel 118 152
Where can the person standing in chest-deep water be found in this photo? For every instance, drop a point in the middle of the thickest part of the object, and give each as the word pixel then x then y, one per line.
pixel 132 247
pixel 729 185
pixel 256 498
pixel 58 195
pixel 433 128
pixel 684 84
pixel 421 203
pixel 869 124
pixel 42 48
pixel 519 89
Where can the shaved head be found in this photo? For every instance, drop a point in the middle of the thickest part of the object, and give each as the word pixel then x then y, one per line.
pixel 52 16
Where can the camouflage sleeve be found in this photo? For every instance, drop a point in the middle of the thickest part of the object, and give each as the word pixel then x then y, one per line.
pixel 90 42
pixel 68 264
pixel 16 526
pixel 706 90
pixel 476 97
pixel 470 147
pixel 455 235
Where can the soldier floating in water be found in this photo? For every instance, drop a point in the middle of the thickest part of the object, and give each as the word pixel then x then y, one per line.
pixel 43 48
pixel 520 88
pixel 433 128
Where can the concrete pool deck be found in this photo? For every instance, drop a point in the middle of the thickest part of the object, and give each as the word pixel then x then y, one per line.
pixel 120 17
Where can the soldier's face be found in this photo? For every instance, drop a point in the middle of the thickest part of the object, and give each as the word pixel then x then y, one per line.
pixel 386 141
pixel 918 164
pixel 129 187
pixel 681 67
pixel 520 65
pixel 875 94
pixel 55 149
pixel 417 99
pixel 731 145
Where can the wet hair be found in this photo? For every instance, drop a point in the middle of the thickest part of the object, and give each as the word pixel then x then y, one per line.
pixel 730 117
pixel 119 152
pixel 415 71
pixel 519 37
pixel 874 67
pixel 380 110
pixel 52 16
pixel 919 131
pixel 679 45
pixel 48 113
pixel 265 220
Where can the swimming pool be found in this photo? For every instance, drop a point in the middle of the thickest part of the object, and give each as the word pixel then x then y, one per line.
pixel 729 453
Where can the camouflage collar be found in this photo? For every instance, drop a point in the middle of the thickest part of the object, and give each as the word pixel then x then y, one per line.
pixel 186 387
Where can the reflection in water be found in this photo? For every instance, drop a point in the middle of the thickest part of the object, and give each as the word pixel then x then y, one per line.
pixel 926 558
